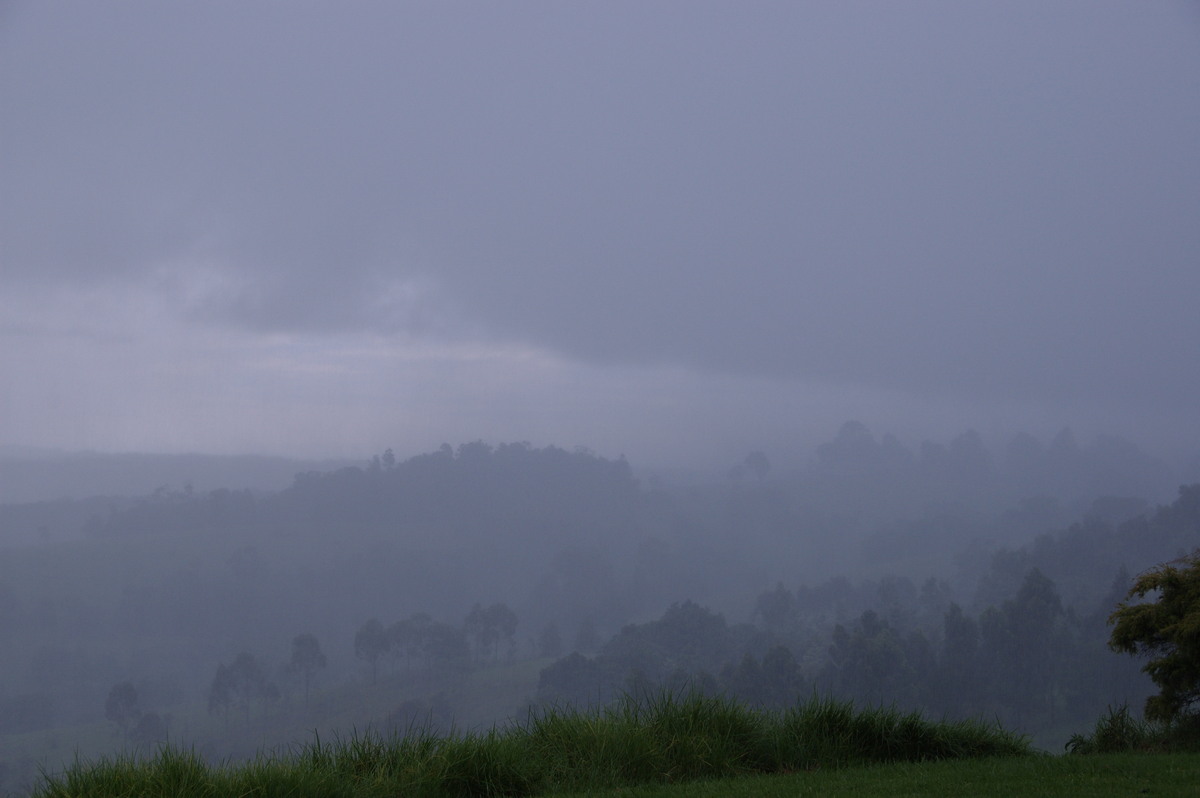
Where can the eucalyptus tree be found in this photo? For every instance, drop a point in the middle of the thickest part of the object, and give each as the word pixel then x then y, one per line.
pixel 370 643
pixel 306 659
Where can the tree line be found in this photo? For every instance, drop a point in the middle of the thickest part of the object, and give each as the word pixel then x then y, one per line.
pixel 417 643
pixel 1029 661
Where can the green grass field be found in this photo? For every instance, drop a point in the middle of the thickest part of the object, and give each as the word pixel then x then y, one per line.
pixel 1067 776
pixel 1129 774
pixel 674 746
pixel 667 739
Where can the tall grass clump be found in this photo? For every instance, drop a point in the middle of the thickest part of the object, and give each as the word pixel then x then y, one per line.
pixel 667 737
pixel 1118 731
pixel 664 738
pixel 828 733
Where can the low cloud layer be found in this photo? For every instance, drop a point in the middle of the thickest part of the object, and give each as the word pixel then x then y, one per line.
pixel 289 229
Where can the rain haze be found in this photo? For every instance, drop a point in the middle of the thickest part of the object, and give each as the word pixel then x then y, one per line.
pixel 670 230
pixel 373 364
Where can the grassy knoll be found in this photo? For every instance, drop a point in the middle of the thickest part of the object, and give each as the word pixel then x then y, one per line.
pixel 632 745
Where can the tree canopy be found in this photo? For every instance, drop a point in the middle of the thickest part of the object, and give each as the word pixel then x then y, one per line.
pixel 1168 629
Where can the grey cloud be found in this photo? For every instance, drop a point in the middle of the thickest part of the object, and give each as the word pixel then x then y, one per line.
pixel 984 201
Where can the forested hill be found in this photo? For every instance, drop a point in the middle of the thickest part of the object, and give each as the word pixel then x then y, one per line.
pixel 159 590
pixel 1087 557
pixel 37 475
pixel 571 536
pixel 1030 649
pixel 509 492
pixel 856 484
pixel 864 505
pixel 536 495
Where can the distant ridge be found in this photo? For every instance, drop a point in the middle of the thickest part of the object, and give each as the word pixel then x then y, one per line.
pixel 29 474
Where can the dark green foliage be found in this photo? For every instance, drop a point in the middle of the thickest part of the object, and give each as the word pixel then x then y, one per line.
pixel 1168 629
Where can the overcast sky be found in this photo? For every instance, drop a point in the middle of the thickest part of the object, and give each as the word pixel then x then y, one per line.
pixel 669 229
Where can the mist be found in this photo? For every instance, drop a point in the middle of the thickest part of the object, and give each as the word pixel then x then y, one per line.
pixel 493 348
